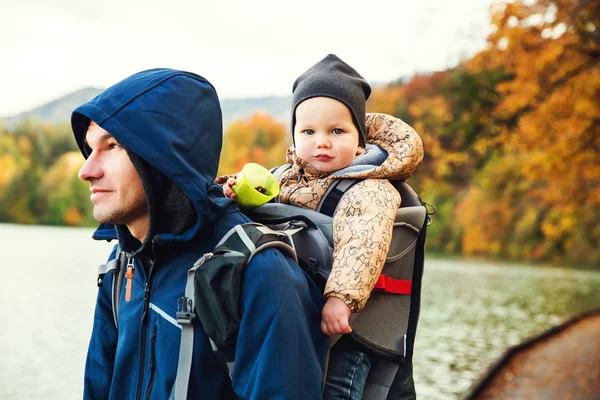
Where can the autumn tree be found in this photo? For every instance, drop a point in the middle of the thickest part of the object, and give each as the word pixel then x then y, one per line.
pixel 68 201
pixel 548 118
pixel 260 139
pixel 32 155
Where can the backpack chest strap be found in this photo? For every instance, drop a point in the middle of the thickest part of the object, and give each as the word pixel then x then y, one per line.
pixel 391 285
pixel 334 194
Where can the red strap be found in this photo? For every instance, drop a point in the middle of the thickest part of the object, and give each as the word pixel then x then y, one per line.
pixel 390 285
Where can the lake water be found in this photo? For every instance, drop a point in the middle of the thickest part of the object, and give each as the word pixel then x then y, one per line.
pixel 471 311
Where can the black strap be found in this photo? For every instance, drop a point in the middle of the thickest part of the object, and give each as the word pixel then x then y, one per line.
pixel 117 285
pixel 334 194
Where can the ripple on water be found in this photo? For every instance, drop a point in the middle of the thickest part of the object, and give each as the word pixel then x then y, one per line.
pixel 470 312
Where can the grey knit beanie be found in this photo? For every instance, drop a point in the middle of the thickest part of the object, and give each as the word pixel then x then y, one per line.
pixel 332 77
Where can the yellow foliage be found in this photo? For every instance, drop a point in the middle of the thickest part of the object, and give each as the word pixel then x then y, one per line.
pixel 24 145
pixel 8 169
pixel 385 100
pixel 511 138
pixel 72 216
pixel 260 139
pixel 65 167
pixel 21 212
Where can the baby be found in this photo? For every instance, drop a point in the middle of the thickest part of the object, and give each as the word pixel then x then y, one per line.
pixel 330 133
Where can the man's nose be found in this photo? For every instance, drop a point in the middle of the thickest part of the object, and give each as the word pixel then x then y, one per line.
pixel 91 169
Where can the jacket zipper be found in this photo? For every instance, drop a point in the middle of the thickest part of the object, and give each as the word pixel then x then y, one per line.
pixel 300 173
pixel 144 330
pixel 129 275
pixel 151 364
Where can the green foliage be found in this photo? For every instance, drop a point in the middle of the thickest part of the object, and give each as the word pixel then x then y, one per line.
pixel 511 137
pixel 38 176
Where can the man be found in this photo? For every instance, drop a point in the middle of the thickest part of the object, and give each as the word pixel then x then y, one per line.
pixel 152 144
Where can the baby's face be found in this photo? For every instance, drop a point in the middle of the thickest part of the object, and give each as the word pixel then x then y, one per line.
pixel 325 135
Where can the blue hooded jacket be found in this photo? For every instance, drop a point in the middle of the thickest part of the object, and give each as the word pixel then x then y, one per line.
pixel 170 123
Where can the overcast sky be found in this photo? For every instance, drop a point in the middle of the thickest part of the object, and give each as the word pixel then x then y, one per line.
pixel 245 48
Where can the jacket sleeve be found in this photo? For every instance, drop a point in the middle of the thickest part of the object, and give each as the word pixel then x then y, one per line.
pixel 103 345
pixel 398 138
pixel 280 351
pixel 362 232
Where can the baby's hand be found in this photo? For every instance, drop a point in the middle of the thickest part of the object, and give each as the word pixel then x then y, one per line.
pixel 335 317
pixel 227 190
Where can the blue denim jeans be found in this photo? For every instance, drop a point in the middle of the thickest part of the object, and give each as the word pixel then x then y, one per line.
pixel 346 374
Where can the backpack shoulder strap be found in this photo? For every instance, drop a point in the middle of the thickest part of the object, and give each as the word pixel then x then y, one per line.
pixel 278 171
pixel 334 193
pixel 252 237
pixel 242 242
pixel 115 266
pixel 117 286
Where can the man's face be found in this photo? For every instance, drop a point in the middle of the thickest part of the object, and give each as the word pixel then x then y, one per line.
pixel 117 191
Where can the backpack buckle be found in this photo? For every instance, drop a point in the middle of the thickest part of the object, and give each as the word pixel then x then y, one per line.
pixel 430 209
pixel 185 311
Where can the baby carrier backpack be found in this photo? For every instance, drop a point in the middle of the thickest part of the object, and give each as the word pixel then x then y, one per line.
pixel 385 328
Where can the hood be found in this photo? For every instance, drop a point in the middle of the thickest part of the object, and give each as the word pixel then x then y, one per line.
pixel 172 121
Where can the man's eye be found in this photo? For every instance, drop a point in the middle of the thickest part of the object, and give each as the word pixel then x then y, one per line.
pixel 113 146
pixel 336 131
pixel 309 131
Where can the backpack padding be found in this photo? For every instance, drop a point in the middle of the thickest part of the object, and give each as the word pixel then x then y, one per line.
pixel 392 340
pixel 381 376
pixel 391 343
pixel 407 227
pixel 407 194
pixel 315 254
pixel 273 213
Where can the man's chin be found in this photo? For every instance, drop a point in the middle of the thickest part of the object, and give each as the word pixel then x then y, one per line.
pixel 118 217
pixel 104 217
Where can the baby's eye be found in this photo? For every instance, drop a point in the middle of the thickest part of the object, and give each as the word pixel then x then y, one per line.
pixel 309 131
pixel 336 131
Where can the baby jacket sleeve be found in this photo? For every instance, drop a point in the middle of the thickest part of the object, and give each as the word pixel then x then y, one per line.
pixel 362 230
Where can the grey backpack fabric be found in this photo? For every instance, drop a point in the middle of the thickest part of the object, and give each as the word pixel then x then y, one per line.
pixel 391 342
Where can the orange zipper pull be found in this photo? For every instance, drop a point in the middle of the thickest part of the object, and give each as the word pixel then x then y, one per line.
pixel 129 276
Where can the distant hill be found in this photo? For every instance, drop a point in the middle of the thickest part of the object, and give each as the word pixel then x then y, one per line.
pixel 60 109
pixel 276 106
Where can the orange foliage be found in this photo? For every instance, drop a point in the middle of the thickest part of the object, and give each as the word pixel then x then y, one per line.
pixel 260 139
pixel 72 216
pixel 385 100
pixel 549 112
pixel 512 136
